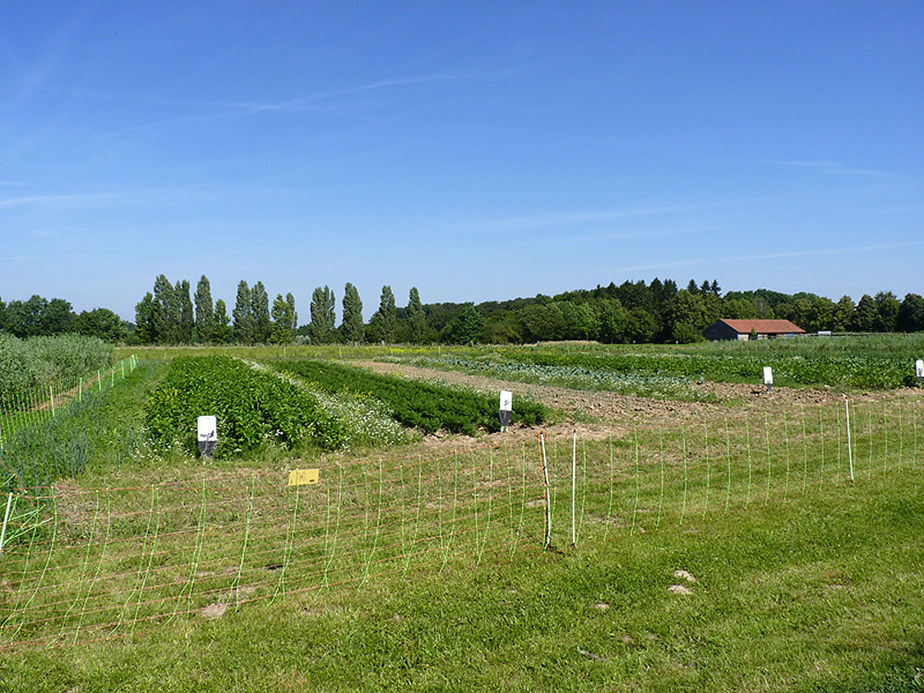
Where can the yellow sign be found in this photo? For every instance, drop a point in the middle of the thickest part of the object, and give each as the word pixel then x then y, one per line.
pixel 299 477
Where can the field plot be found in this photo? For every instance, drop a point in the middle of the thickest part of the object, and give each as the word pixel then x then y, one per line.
pixel 668 372
pixel 425 406
pixel 252 407
pixel 87 563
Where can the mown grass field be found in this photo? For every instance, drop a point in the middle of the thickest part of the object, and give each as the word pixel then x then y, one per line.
pixel 820 593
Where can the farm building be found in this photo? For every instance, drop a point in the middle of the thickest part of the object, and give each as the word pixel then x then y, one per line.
pixel 744 329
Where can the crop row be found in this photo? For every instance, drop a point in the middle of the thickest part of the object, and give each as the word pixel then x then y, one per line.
pixel 863 371
pixel 251 408
pixel 422 405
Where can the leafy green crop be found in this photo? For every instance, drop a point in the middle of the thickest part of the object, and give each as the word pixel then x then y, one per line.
pixel 413 403
pixel 251 408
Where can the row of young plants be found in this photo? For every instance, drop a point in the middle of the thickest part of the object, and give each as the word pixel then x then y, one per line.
pixel 251 407
pixel 566 375
pixel 856 370
pixel 425 406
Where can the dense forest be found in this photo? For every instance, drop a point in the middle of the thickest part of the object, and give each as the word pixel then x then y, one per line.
pixel 632 312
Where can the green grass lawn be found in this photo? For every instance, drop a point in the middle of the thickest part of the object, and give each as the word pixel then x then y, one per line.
pixel 821 592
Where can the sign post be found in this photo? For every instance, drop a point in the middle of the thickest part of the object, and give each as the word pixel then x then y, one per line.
pixel 919 370
pixel 506 407
pixel 207 435
pixel 768 378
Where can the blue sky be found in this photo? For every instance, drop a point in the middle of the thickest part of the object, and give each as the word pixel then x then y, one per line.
pixel 476 151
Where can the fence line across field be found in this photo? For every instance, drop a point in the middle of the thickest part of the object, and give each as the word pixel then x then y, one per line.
pixel 30 407
pixel 79 563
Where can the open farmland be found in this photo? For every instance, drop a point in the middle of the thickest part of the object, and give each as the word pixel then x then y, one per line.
pixel 693 531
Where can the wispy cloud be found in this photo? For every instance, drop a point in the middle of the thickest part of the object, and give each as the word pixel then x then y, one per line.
pixel 821 252
pixel 835 168
pixel 53 199
pixel 317 102
pixel 558 219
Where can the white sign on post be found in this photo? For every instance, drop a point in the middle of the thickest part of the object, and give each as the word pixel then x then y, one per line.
pixel 768 377
pixel 207 435
pixel 506 406
pixel 919 368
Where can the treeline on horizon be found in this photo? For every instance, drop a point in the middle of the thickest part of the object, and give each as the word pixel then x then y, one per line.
pixel 633 312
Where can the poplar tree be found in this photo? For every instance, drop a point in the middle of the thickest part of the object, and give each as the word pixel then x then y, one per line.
pixel 221 329
pixel 185 307
pixel 290 300
pixel 416 318
pixel 162 319
pixel 144 320
pixel 262 326
pixel 205 316
pixel 323 316
pixel 352 327
pixel 282 321
pixel 243 315
pixel 385 317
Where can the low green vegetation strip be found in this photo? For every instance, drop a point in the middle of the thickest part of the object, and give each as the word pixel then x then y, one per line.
pixel 29 366
pixel 252 408
pixel 422 405
pixel 794 362
pixel 100 427
pixel 564 375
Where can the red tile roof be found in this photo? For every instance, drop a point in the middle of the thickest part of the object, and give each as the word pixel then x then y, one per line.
pixel 764 326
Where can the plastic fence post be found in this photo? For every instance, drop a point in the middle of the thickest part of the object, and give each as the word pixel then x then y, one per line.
pixel 837 429
pixel 487 526
pixel 885 436
pixel 6 519
pixel 573 487
pixel 769 460
pixel 661 464
pixel 849 449
pixel 706 452
pixel 914 419
pixel 869 434
pixel 747 438
pixel 516 540
pixel 51 393
pixel 80 391
pixel 637 483
pixel 548 501
pixel 99 379
pixel 901 431
pixel 786 441
pixel 51 550
pixel 475 500
pixel 683 506
pixel 728 461
pixel 583 485
pixel 122 364
pixel 821 435
pixel 609 507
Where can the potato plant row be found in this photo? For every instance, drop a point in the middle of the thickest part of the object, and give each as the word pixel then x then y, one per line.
pixel 251 408
pixel 422 405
